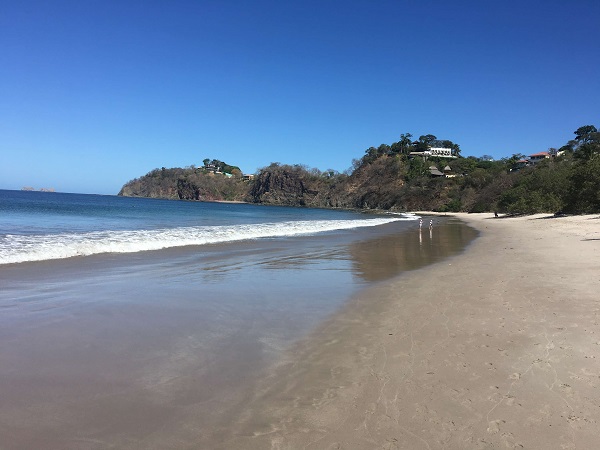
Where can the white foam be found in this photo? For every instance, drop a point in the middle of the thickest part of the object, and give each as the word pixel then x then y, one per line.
pixel 405 216
pixel 22 248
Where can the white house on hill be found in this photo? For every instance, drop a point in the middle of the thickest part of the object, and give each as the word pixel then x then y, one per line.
pixel 537 157
pixel 439 152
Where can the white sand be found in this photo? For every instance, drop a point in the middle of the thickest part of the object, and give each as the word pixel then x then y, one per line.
pixel 496 348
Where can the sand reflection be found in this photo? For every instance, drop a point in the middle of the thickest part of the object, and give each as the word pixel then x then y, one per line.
pixel 387 256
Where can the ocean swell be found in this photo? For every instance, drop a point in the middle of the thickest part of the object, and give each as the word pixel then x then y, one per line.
pixel 16 248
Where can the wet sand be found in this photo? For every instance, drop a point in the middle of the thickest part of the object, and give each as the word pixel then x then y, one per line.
pixel 163 350
pixel 498 347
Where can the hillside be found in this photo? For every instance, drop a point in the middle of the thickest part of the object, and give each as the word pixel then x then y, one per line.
pixel 207 183
pixel 406 176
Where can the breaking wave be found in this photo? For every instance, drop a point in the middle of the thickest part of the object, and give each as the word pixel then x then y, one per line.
pixel 16 248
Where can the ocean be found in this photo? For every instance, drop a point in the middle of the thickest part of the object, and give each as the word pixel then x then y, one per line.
pixel 129 321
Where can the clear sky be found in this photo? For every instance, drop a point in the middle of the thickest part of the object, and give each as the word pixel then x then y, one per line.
pixel 94 93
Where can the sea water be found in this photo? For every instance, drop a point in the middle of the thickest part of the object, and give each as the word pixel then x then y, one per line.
pixel 39 226
pixel 128 322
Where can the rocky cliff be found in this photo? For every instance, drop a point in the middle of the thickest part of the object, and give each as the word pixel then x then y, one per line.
pixel 186 184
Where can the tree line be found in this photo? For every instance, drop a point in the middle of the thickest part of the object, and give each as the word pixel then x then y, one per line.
pixel 395 177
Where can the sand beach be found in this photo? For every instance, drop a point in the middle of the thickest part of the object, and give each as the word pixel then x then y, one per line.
pixel 498 347
pixel 385 338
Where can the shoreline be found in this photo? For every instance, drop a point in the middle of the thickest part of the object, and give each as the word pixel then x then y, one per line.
pixel 158 349
pixel 496 347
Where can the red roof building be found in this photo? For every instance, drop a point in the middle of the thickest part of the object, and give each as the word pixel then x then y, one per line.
pixel 537 157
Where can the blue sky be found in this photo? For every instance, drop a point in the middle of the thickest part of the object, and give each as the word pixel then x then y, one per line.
pixel 95 93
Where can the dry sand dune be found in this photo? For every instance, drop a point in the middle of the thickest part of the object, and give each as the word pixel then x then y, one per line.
pixel 496 348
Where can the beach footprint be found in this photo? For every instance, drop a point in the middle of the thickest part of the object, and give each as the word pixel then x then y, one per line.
pixel 494 426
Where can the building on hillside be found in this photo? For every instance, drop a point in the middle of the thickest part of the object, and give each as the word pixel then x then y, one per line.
pixel 438 152
pixel 441 152
pixel 448 172
pixel 435 172
pixel 554 152
pixel 520 164
pixel 532 160
pixel 537 157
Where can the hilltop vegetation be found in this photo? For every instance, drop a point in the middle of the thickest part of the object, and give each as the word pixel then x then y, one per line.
pixel 401 177
pixel 216 180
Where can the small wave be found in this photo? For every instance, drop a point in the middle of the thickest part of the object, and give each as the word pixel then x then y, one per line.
pixel 21 248
pixel 405 216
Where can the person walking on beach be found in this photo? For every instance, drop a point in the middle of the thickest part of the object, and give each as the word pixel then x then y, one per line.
pixel 420 223
pixel 431 224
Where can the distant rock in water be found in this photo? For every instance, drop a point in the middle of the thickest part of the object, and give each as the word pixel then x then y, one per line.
pixel 29 188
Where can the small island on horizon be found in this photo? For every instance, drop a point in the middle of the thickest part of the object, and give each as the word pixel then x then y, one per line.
pixel 29 188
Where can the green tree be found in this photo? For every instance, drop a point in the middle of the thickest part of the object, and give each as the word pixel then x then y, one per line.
pixel 585 134
pixel 463 166
pixel 427 139
pixel 584 186
pixel 384 149
pixel 403 146
pixel 370 155
pixel 417 167
pixel 537 189
pixel 587 142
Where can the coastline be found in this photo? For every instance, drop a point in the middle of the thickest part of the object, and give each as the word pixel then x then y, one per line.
pixel 496 347
pixel 156 349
